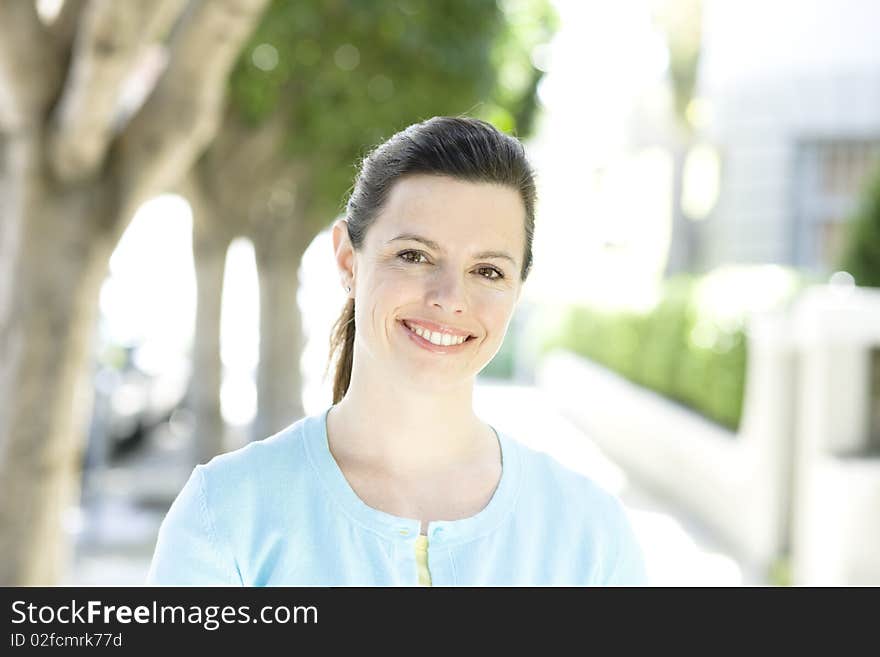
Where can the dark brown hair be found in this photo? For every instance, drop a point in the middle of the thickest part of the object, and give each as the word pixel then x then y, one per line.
pixel 464 148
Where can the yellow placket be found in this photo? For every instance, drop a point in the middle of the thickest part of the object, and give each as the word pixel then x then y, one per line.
pixel 422 560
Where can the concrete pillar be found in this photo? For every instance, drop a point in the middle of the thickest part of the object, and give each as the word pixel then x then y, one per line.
pixel 836 514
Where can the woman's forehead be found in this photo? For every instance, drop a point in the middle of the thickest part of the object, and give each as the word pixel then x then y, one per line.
pixel 446 210
pixel 429 192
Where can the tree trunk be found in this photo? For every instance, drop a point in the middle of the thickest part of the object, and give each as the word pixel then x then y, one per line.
pixel 279 380
pixel 256 190
pixel 683 244
pixel 209 254
pixel 62 213
pixel 56 258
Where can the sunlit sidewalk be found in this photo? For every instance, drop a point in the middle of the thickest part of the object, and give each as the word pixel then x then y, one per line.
pixel 678 552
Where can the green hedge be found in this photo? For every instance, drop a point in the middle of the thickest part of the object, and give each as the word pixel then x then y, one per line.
pixel 502 364
pixel 691 346
pixel 861 247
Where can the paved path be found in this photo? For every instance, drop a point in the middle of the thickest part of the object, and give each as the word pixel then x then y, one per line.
pixel 116 532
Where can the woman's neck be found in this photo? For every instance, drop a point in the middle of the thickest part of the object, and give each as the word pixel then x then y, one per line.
pixel 408 435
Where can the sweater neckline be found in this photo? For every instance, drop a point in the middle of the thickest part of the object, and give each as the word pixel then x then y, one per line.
pixel 402 529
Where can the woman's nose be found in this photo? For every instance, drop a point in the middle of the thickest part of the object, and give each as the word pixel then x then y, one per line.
pixel 448 291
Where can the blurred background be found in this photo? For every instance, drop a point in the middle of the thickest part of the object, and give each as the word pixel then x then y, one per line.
pixel 700 332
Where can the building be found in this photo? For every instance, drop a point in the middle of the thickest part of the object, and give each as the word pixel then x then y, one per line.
pixel 794 92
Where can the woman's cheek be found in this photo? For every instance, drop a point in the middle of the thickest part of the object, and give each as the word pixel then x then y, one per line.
pixel 495 300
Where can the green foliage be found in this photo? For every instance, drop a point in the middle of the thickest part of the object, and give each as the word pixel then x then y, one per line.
pixel 861 251
pixel 502 364
pixel 349 73
pixel 608 337
pixel 666 334
pixel 691 346
pixel 780 573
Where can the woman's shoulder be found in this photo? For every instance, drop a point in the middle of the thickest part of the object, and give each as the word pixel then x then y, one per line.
pixel 274 458
pixel 560 496
pixel 547 471
pixel 551 484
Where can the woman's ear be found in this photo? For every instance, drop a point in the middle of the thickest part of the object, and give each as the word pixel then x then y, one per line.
pixel 339 231
pixel 343 251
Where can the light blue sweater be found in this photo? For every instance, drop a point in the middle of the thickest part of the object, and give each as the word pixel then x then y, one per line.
pixel 279 512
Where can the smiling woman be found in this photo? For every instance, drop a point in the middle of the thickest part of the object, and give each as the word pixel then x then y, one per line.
pixel 398 482
pixel 462 283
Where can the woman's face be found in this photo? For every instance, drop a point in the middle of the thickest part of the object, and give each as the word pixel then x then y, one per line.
pixel 442 254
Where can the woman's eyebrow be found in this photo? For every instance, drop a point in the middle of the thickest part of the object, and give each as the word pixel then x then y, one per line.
pixel 431 244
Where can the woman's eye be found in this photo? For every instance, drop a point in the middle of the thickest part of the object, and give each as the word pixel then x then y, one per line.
pixel 412 257
pixel 498 275
pixel 416 255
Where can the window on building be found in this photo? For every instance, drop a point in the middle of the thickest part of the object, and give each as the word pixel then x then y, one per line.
pixel 831 174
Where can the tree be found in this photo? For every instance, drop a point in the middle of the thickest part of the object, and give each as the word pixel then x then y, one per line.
pixel 318 84
pixel 681 22
pixel 861 250
pixel 79 155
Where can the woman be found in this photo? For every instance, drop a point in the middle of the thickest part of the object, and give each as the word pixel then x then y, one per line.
pixel 399 482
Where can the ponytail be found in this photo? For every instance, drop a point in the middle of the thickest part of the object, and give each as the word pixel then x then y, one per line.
pixel 342 341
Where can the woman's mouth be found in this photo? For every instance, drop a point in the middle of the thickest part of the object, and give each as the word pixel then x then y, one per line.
pixel 436 342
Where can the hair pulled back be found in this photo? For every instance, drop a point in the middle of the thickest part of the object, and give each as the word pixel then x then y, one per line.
pixel 464 148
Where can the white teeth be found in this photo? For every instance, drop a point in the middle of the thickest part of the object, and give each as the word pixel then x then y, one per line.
pixel 440 339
